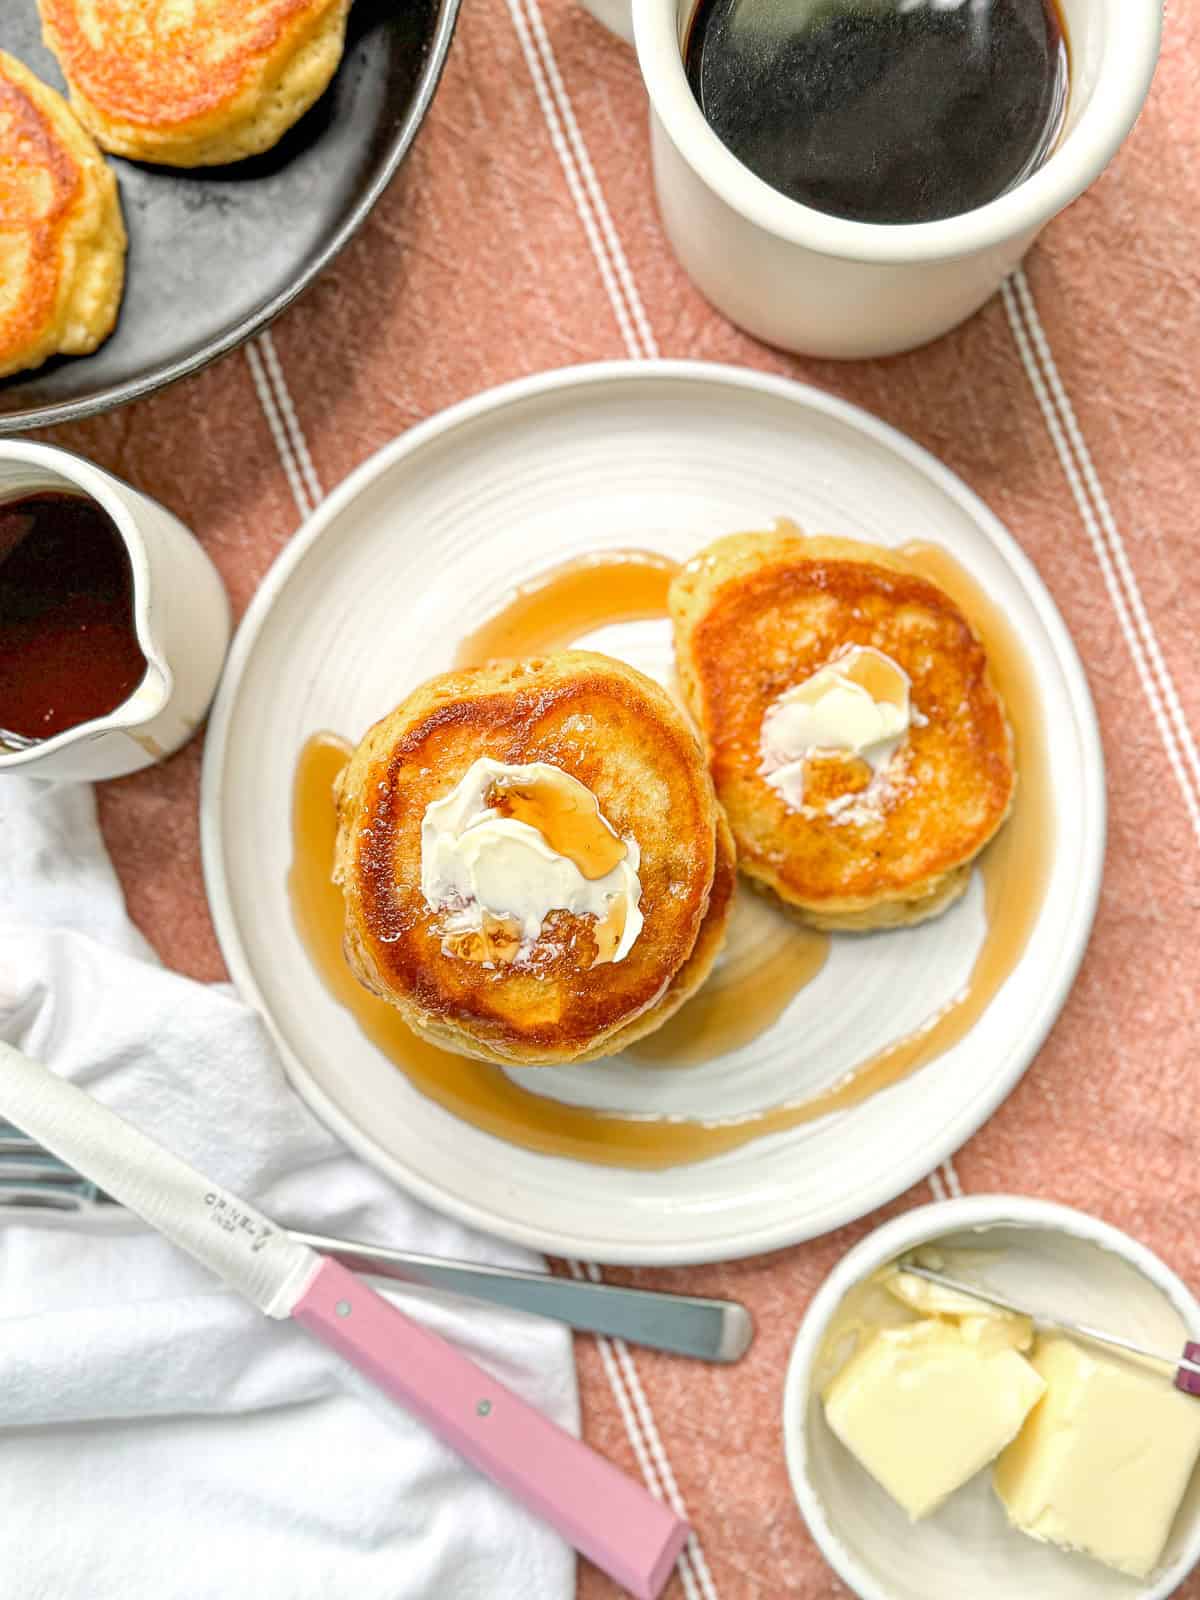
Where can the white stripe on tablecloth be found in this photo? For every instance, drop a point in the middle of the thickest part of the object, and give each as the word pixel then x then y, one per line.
pixel 567 141
pixel 594 192
pixel 535 58
pixel 1106 541
pixel 693 1555
pixel 291 421
pixel 275 422
pixel 1108 524
pixel 647 1445
pixel 1108 546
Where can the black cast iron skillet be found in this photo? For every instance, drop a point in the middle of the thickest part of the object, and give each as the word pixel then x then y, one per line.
pixel 216 252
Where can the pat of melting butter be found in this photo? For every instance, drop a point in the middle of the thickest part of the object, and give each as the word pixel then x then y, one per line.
pixel 1103 1462
pixel 857 705
pixel 511 843
pixel 924 1408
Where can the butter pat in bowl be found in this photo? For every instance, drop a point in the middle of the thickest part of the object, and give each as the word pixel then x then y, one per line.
pixel 924 1408
pixel 936 1447
pixel 1103 1463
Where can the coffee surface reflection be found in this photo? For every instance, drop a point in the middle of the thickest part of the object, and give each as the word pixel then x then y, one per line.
pixel 883 111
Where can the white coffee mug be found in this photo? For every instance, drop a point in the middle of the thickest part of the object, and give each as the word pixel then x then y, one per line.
pixel 180 614
pixel 826 286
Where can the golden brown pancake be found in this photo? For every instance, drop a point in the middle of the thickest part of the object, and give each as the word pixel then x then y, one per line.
pixel 619 734
pixel 191 83
pixel 756 614
pixel 62 240
pixel 708 946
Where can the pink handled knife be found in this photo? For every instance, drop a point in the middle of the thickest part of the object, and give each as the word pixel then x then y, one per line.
pixel 606 1515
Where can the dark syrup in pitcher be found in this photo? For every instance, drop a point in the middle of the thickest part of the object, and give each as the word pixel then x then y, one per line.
pixel 69 650
pixel 883 111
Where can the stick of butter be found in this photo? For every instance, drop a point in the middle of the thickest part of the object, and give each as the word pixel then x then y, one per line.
pixel 924 1408
pixel 1104 1461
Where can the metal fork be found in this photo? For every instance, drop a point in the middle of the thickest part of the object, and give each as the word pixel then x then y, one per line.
pixel 33 1183
pixel 31 1178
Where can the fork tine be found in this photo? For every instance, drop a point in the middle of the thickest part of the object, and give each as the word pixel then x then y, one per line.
pixel 27 1169
pixel 28 1172
pixel 28 1158
pixel 31 1176
pixel 14 1142
pixel 15 1145
pixel 40 1198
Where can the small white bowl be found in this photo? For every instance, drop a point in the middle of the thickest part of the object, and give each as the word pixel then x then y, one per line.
pixel 1057 1260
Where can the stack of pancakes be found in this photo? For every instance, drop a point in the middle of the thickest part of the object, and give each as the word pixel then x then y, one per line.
pixel 754 615
pixel 619 734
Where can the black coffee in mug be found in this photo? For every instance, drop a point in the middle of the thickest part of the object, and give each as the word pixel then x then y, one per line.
pixel 885 111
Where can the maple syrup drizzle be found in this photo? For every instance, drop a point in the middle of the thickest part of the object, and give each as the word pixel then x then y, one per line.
pixel 878 675
pixel 768 959
pixel 559 607
pixel 568 817
pixel 610 930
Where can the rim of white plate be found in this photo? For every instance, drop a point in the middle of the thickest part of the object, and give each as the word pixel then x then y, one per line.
pixel 771 1235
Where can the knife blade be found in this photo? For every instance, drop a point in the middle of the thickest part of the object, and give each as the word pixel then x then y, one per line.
pixel 604 1513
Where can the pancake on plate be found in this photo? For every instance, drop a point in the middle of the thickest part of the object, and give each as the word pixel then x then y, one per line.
pixel 194 83
pixel 856 741
pixel 534 865
pixel 62 240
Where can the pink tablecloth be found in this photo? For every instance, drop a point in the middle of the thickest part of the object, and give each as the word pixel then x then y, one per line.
pixel 1068 403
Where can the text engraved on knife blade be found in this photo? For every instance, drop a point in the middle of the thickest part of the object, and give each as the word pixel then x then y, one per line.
pixel 230 1218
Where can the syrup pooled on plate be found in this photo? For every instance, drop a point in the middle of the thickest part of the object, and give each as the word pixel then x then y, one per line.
pixel 883 111
pixel 69 650
pixel 557 609
pixel 768 958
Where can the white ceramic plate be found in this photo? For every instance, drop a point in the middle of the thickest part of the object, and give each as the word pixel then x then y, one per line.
pixel 416 548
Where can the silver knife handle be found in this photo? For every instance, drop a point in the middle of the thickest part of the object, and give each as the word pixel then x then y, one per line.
pixel 685 1325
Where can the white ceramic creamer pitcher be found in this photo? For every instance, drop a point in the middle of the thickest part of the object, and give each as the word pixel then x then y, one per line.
pixel 180 617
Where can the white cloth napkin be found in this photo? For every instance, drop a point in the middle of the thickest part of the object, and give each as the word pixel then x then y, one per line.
pixel 158 1437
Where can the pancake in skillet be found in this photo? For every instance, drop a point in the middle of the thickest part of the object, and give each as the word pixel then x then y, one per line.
pixel 569 991
pixel 62 240
pixel 194 83
pixel 848 844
